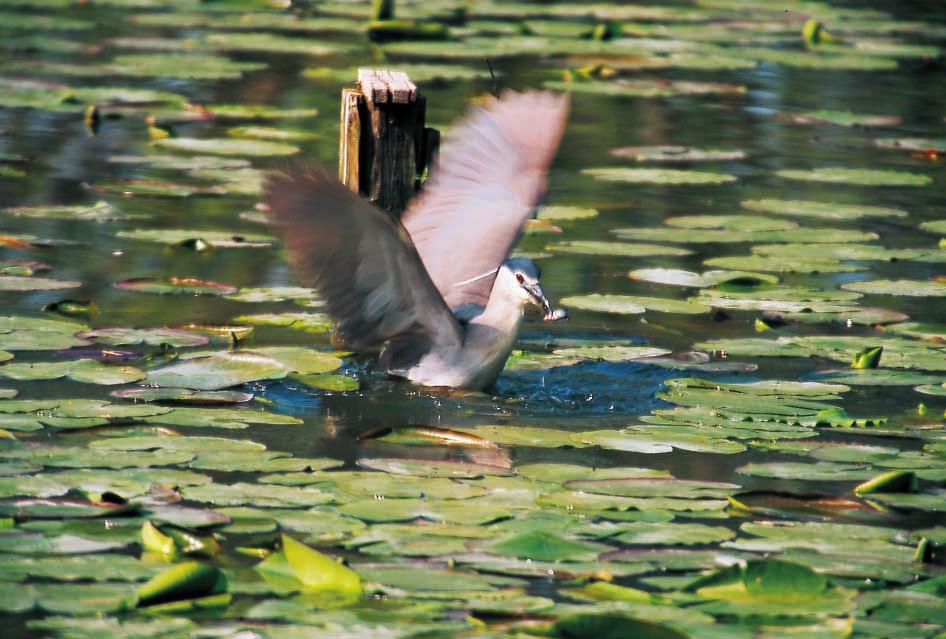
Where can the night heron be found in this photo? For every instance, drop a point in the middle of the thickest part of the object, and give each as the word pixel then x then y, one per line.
pixel 435 292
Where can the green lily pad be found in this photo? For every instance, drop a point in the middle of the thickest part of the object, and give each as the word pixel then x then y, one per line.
pixel 230 112
pixel 770 587
pixel 270 133
pixel 934 145
pixel 783 264
pixel 151 336
pixel 312 571
pixel 168 65
pixel 622 249
pixel 911 288
pixel 611 625
pixel 217 239
pixel 307 322
pixel 846 118
pixel 821 210
pixel 17 283
pixel 678 277
pixel 555 213
pixel 176 286
pixel 645 88
pixel 81 370
pixel 862 177
pixel 228 146
pixel 748 223
pixel 218 371
pixel 98 212
pixel 807 235
pixel 631 304
pixel 676 154
pixel 657 176
pixel 546 546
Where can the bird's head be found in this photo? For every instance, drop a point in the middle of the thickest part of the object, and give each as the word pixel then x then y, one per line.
pixel 520 276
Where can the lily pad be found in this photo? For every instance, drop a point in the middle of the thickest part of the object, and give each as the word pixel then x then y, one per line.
pixel 911 288
pixel 657 176
pixel 861 177
pixel 228 146
pixel 16 283
pixel 622 249
pixel 218 371
pixel 678 277
pixel 175 286
pixel 821 210
pixel 218 239
pixel 676 154
pixel 631 304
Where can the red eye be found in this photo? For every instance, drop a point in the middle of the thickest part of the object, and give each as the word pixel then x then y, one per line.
pixel 520 279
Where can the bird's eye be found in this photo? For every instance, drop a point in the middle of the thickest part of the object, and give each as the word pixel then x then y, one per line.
pixel 520 279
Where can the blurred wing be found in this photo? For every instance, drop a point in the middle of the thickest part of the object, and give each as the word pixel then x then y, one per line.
pixel 362 263
pixel 487 182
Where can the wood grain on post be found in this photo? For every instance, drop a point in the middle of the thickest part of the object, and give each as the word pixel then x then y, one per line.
pixel 383 145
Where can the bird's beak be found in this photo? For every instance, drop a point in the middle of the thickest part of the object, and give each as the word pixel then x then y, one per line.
pixel 539 299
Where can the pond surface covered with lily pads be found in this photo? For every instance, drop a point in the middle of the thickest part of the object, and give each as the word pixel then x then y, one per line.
pixel 739 434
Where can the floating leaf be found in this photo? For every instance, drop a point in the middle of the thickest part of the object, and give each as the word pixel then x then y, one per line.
pixel 676 154
pixel 16 283
pixel 176 285
pixel 228 146
pixel 863 177
pixel 912 288
pixel 219 239
pixel 314 572
pixel 623 249
pixel 657 176
pixel 821 210
pixel 630 304
pixel 186 580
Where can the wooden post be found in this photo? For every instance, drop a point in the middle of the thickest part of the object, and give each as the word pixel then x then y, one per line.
pixel 383 146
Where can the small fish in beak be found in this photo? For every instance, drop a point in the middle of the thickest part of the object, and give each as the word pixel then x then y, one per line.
pixel 539 299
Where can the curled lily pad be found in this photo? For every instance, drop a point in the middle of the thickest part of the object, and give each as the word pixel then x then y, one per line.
pixel 657 176
pixel 175 285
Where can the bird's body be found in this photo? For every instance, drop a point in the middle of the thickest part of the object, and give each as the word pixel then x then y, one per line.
pixel 435 292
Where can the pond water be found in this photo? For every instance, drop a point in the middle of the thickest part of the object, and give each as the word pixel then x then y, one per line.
pixel 736 223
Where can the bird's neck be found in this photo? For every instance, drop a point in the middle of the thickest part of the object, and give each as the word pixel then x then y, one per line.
pixel 491 335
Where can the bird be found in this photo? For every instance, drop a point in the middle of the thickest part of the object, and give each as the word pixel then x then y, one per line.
pixel 435 293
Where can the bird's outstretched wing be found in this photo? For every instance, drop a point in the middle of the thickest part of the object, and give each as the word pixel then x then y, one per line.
pixel 362 263
pixel 487 182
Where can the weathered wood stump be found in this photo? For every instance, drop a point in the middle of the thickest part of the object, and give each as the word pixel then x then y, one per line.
pixel 384 147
